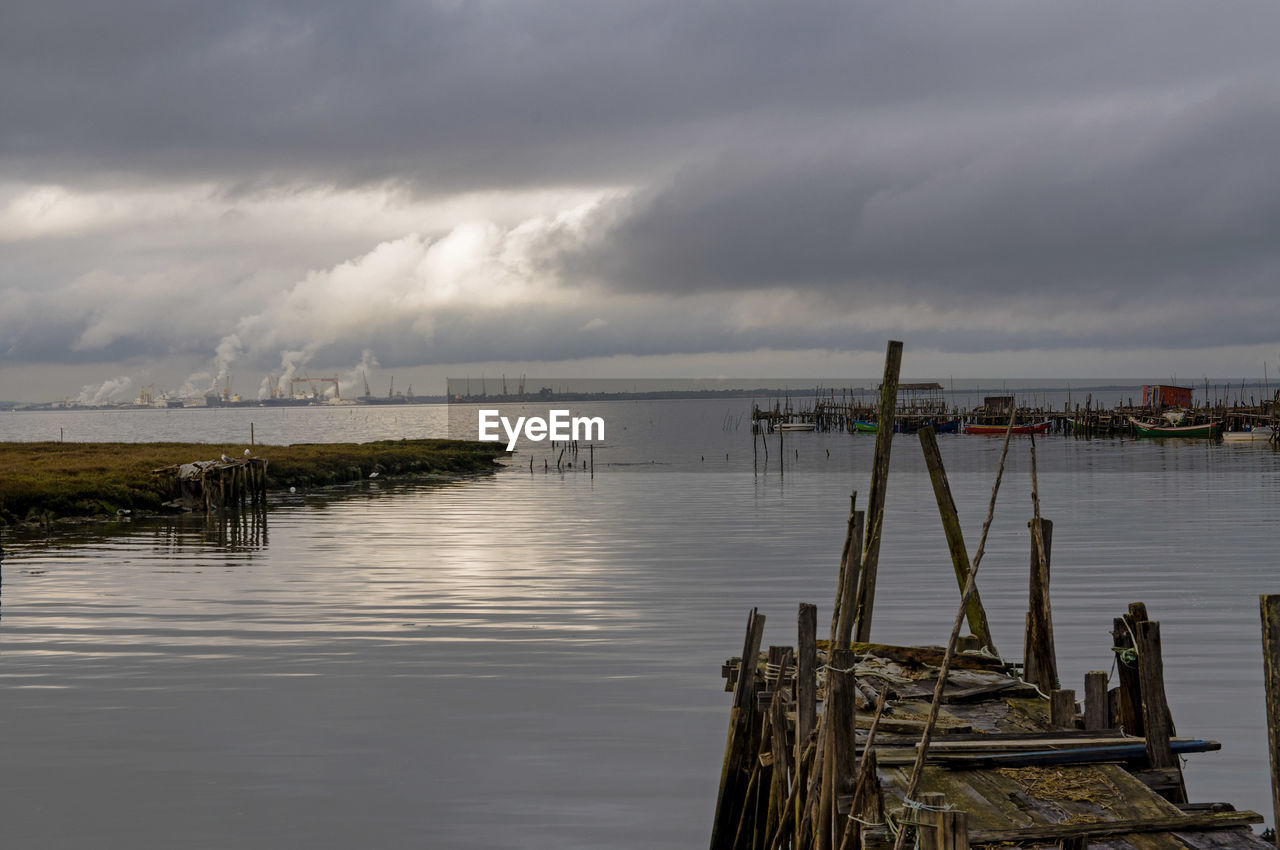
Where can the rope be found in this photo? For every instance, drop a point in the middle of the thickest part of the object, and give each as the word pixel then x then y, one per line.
pixel 1126 654
pixel 925 807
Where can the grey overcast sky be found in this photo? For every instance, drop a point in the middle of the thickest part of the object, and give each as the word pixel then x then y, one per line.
pixel 1017 189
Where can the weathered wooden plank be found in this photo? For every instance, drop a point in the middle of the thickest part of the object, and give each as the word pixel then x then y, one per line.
pixel 931 655
pixel 975 613
pixel 1058 831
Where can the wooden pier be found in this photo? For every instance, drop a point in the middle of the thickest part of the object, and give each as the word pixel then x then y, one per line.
pixel 842 743
pixel 846 412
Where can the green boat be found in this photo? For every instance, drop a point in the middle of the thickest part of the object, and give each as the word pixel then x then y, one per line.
pixel 864 427
pixel 1211 430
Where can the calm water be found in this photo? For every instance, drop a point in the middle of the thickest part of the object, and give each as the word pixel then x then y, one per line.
pixel 532 660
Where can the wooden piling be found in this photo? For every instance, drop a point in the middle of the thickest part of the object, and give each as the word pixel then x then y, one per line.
pixel 845 565
pixel 1155 709
pixel 806 673
pixel 1096 715
pixel 953 830
pixel 739 751
pixel 976 614
pixel 1270 608
pixel 879 486
pixel 840 766
pixel 1040 663
pixel 1062 708
pixel 849 589
pixel 1040 660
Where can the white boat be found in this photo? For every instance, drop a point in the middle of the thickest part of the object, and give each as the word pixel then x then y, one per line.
pixel 1259 434
pixel 797 426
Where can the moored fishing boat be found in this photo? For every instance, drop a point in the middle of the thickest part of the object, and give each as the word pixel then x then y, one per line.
pixel 948 427
pixel 1258 434
pixel 1028 428
pixel 1149 429
pixel 797 426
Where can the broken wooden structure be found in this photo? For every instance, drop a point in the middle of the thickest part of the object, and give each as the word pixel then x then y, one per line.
pixel 217 485
pixel 842 743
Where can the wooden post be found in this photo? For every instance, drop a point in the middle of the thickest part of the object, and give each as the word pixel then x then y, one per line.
pixel 976 614
pixel 806 674
pixel 1270 606
pixel 1040 663
pixel 953 830
pixel 845 566
pixel 1062 708
pixel 879 486
pixel 739 752
pixel 930 827
pixel 849 590
pixel 251 438
pixel 840 767
pixel 1128 714
pixel 1155 709
pixel 1096 715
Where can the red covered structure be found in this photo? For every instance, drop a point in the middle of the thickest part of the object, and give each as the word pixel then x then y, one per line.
pixel 1165 395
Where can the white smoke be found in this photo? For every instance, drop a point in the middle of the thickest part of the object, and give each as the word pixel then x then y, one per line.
pixel 197 384
pixel 291 362
pixel 110 390
pixel 352 381
pixel 225 354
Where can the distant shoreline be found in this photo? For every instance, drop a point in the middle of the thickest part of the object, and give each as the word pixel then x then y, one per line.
pixel 46 481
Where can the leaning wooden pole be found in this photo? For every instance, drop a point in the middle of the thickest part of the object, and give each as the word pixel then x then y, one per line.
pixel 1040 656
pixel 846 563
pixel 879 486
pixel 922 751
pixel 738 752
pixel 1270 605
pixel 976 614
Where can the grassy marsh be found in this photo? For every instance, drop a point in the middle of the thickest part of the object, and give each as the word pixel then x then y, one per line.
pixel 44 481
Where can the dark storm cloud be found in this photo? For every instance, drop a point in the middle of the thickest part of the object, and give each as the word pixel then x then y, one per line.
pixel 794 176
pixel 1125 203
pixel 495 93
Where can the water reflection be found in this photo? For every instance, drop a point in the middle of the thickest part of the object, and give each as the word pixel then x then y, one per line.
pixel 399 656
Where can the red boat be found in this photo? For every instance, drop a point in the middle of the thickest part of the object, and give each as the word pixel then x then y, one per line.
pixel 1036 428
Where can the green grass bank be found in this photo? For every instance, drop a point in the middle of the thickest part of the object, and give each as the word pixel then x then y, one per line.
pixel 44 481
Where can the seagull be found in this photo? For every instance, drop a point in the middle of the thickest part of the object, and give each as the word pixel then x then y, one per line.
pixel 373 474
pixel 246 452
pixel 225 459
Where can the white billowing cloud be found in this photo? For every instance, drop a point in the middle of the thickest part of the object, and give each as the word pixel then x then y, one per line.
pixel 112 389
pixel 478 267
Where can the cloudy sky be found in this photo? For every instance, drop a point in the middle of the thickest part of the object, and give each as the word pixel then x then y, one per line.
pixel 617 187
